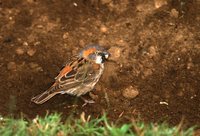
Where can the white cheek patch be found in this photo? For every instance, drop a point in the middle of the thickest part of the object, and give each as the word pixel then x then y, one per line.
pixel 98 59
pixel 106 56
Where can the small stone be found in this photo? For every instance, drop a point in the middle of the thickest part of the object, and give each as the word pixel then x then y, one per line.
pixel 103 29
pixel 160 3
pixel 40 26
pixel 19 51
pixel 147 72
pixel 115 53
pixel 25 43
pixel 65 35
pixel 152 51
pixel 11 66
pixel 164 103
pixel 31 52
pixel 130 92
pixel 35 66
pixel 174 13
pixel 75 4
pixel 37 43
pixel 190 65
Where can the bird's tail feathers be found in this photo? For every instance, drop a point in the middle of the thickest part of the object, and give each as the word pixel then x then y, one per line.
pixel 45 96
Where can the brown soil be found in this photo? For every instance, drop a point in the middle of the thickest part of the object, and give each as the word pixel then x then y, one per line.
pixel 159 56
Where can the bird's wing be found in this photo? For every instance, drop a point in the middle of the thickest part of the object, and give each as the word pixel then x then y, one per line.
pixel 83 80
pixel 76 78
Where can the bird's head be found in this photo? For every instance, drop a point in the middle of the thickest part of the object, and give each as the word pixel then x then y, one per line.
pixel 95 53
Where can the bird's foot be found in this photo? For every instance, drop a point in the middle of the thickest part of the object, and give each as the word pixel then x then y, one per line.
pixel 87 101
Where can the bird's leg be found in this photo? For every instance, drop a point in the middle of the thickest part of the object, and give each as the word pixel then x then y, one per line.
pixel 90 101
pixel 86 101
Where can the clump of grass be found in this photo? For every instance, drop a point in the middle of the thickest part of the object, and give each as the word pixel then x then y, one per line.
pixel 51 125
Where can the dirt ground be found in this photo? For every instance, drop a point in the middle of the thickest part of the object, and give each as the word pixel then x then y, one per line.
pixel 155 46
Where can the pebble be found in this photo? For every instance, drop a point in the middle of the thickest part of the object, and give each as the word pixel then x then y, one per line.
pixel 115 53
pixel 40 26
pixel 11 66
pixel 25 43
pixel 164 103
pixel 190 65
pixel 174 13
pixel 160 3
pixel 19 51
pixel 65 35
pixel 35 66
pixel 130 92
pixel 147 72
pixel 103 29
pixel 37 43
pixel 75 4
pixel 31 52
pixel 152 51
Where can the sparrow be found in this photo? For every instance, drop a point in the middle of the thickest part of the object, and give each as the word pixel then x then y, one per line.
pixel 79 76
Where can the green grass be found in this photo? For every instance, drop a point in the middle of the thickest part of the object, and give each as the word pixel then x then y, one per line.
pixel 51 125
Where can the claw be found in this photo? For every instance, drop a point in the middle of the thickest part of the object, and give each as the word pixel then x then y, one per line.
pixel 87 101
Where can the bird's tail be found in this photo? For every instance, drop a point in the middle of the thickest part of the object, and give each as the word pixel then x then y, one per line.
pixel 42 98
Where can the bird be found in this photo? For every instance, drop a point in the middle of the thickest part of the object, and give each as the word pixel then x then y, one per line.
pixel 79 76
